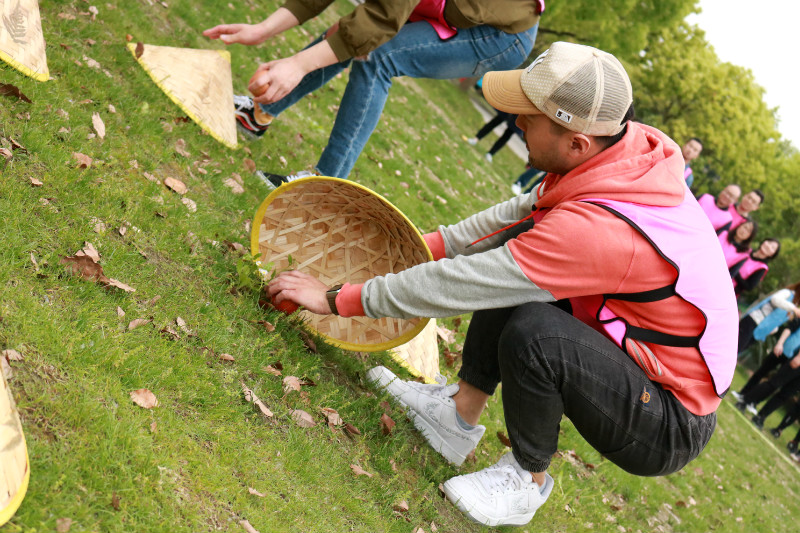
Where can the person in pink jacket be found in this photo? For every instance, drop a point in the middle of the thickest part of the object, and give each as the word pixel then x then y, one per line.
pixel 602 295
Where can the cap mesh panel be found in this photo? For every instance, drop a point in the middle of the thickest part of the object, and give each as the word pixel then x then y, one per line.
pixel 569 95
pixel 615 94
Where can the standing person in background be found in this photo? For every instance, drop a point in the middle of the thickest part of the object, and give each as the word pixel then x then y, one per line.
pixel 380 40
pixel 735 243
pixel 718 209
pixel 765 316
pixel 627 328
pixel 690 151
pixel 749 204
pixel 750 271
pixel 499 118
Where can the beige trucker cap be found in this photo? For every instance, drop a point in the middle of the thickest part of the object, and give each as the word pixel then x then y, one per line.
pixel 579 87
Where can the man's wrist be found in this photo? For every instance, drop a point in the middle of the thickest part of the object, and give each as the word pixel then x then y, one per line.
pixel 331 295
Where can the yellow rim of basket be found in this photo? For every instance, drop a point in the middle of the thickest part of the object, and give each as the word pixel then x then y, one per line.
pixel 8 511
pixel 38 76
pixel 225 54
pixel 378 347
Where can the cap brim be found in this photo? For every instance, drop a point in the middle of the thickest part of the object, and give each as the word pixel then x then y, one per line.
pixel 502 89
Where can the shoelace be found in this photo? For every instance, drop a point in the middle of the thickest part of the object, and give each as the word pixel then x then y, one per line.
pixel 243 102
pixel 301 174
pixel 499 478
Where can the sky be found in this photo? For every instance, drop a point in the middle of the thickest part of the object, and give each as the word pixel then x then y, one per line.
pixel 761 36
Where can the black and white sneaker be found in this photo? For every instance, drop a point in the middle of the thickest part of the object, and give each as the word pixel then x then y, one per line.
pixel 245 110
pixel 273 181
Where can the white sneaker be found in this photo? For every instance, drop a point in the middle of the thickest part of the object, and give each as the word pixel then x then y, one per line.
pixel 751 408
pixel 433 411
pixel 472 141
pixel 273 181
pixel 502 495
pixel 516 188
pixel 488 157
pixel 736 395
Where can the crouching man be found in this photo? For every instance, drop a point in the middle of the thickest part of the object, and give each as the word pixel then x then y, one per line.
pixel 602 295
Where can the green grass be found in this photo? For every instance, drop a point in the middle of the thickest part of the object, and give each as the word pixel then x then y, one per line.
pixel 186 465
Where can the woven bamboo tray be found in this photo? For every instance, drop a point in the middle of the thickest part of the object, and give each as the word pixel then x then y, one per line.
pixel 339 231
pixel 21 41
pixel 14 466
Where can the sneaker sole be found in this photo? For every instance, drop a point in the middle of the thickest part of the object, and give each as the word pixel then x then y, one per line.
pixel 243 126
pixel 477 516
pixel 420 422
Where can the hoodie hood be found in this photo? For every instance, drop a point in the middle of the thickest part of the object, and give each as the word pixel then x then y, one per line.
pixel 644 167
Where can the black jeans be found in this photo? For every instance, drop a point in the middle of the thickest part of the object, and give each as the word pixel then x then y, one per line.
pixel 781 397
pixel 551 364
pixel 770 363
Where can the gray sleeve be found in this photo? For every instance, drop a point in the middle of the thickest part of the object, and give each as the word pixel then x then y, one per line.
pixel 458 236
pixel 451 287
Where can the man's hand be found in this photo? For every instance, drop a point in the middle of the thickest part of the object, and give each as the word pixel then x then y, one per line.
pixel 301 289
pixel 778 350
pixel 274 80
pixel 249 34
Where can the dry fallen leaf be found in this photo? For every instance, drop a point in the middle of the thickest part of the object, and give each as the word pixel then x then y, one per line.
pixel 5 152
pixel 6 368
pixel 84 161
pixel 309 342
pixel 387 424
pixel 176 185
pixel 180 147
pixel 139 49
pixel 111 108
pixel 254 492
pixel 247 526
pixel 332 417
pixel 12 355
pixel 251 397
pixel 351 429
pixel 446 335
pixel 291 383
pixel 99 125
pixel 181 323
pixel 63 525
pixel 503 439
pixel 267 325
pixel 272 370
pixel 191 205
pixel 249 164
pixel 120 312
pixel 226 357
pixel 234 185
pixel 35 182
pixel 6 89
pixel 401 506
pixel 303 419
pixel 360 471
pixel 138 322
pixel 144 398
pixel 153 426
pixel 111 282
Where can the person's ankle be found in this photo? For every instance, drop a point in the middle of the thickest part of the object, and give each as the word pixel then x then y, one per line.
pixel 538 478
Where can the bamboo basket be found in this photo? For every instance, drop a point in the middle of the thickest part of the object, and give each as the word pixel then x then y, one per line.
pixel 21 41
pixel 339 231
pixel 14 465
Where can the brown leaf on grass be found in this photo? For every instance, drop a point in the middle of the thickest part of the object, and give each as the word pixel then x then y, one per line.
pixel 139 49
pixel 351 429
pixel 387 424
pixel 120 312
pixel 153 426
pixel 151 177
pixel 272 370
pixel 151 301
pixel 244 523
pixel 144 398
pixel 332 417
pixel 12 355
pixel 112 109
pixel 303 419
pixel 445 334
pixel 84 161
pixel 249 164
pixel 115 501
pixel 267 325
pixel 191 205
pixel 360 471
pixel 235 186
pixel 254 492
pixel 98 125
pixel 170 333
pixel 89 251
pixel 84 267
pixel 393 465
pixel 176 185
pixel 6 368
pixel 138 322
pixel 503 439
pixel 180 147
pixel 309 342
pixel 16 145
pixel 291 383
pixel 450 357
pixel 8 154
pixel 35 182
pixel 235 246
pixel 128 37
pixel 6 89
pixel 226 358
pixel 251 397
pixel 63 525
pixel 401 506
pixel 181 323
pixel 117 284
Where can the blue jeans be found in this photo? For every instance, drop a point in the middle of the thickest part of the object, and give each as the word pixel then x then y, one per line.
pixel 551 364
pixel 415 51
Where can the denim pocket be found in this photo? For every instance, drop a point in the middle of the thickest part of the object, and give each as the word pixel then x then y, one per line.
pixel 515 52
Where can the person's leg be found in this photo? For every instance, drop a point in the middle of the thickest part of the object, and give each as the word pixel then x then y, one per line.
pixel 415 51
pixel 499 143
pixel 746 327
pixel 779 398
pixel 487 128
pixel 770 363
pixel 552 364
pixel 310 83
pixel 763 390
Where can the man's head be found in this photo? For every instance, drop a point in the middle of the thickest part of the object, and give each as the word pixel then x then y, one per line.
pixel 728 196
pixel 573 102
pixel 750 202
pixel 692 149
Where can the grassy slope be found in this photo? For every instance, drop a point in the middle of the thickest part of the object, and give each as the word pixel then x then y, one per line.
pixel 98 460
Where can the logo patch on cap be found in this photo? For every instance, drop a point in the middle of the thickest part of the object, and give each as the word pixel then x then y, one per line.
pixel 564 116
pixel 537 60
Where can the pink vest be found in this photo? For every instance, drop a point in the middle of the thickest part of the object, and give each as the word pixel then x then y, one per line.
pixel 720 218
pixel 747 268
pixel 432 12
pixel 732 255
pixel 736 218
pixel 682 237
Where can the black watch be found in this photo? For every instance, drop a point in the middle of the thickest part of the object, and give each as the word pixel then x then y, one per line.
pixel 331 295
